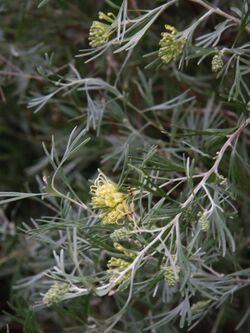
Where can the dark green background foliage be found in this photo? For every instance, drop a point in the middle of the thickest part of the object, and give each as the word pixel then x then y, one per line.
pixel 132 139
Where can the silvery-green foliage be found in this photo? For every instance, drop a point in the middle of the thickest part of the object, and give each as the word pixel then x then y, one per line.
pixel 180 156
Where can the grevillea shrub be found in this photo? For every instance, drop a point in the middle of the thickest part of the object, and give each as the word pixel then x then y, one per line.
pixel 145 200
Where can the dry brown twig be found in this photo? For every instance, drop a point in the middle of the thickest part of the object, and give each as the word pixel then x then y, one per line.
pixel 220 12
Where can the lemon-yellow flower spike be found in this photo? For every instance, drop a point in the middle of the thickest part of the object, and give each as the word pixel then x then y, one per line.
pixel 122 249
pixel 199 307
pixel 170 45
pixel 55 293
pixel 112 203
pixel 218 62
pixel 100 32
pixel 116 214
pixel 170 276
pixel 105 193
pixel 116 266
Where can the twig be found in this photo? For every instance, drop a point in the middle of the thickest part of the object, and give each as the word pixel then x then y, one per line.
pixel 242 281
pixel 2 95
pixel 134 6
pixel 216 164
pixel 8 62
pixel 14 254
pixel 32 77
pixel 220 12
pixel 174 221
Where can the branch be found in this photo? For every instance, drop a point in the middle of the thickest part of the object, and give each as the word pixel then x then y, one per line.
pixel 242 281
pixel 134 6
pixel 218 159
pixel 199 186
pixel 220 12
pixel 21 74
pixel 174 221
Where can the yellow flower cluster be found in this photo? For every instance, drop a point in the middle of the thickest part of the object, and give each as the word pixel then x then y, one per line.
pixel 117 265
pixel 218 62
pixel 170 276
pixel 99 32
pixel 116 214
pixel 114 207
pixel 170 45
pixel 106 196
pixel 199 307
pixel 55 293
pixel 203 222
pixel 122 249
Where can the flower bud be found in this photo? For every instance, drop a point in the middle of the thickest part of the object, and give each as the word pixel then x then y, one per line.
pixel 55 293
